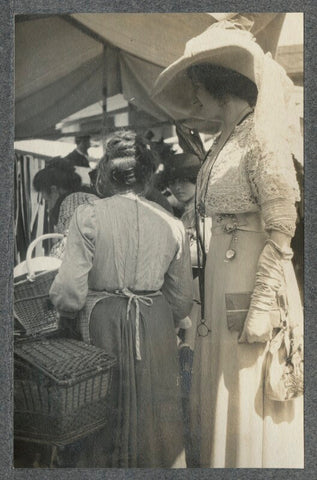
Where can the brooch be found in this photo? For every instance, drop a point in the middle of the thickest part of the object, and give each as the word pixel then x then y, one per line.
pixel 230 226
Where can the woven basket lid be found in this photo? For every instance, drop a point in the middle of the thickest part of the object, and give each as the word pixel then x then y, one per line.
pixel 64 360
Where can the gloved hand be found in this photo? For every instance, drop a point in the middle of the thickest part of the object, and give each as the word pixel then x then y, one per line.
pixel 264 313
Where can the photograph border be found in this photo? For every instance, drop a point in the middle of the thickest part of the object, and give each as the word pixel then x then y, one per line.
pixel 9 8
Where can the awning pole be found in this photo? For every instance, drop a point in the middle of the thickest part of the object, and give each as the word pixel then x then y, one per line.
pixel 104 131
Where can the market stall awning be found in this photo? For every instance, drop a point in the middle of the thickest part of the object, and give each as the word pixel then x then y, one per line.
pixel 65 63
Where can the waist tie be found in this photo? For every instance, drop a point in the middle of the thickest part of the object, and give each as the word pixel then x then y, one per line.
pixel 135 297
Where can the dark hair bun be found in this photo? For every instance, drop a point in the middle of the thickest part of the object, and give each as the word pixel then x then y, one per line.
pixel 122 144
pixel 124 177
pixel 130 159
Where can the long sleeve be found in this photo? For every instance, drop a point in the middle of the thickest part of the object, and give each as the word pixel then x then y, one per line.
pixel 274 185
pixel 70 287
pixel 178 283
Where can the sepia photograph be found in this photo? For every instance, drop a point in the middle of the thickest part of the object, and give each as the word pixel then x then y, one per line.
pixel 158 241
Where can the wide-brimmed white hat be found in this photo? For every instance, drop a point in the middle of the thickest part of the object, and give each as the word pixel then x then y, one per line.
pixel 226 47
pixel 275 125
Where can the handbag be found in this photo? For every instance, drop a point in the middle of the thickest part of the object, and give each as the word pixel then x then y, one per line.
pixel 284 373
pixel 237 307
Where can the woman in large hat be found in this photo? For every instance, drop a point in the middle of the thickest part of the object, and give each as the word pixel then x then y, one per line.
pixel 247 185
pixel 127 269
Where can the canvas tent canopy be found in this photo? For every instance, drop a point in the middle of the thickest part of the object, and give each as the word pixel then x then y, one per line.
pixel 66 63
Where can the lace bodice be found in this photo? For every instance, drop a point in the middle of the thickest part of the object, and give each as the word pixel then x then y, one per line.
pixel 243 179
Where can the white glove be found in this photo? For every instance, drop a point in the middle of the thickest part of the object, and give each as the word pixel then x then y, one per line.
pixel 264 313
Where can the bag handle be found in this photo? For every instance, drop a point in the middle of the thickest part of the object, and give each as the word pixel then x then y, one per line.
pixel 31 274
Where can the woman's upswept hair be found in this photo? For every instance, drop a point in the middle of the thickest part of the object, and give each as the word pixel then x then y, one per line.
pixel 58 172
pixel 220 82
pixel 127 164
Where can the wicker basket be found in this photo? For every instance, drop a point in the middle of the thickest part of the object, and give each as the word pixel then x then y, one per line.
pixel 32 306
pixel 61 389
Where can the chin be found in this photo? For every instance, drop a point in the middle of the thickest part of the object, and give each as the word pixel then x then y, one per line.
pixel 204 126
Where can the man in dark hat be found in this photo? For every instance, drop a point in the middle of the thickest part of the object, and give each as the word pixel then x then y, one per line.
pixel 79 156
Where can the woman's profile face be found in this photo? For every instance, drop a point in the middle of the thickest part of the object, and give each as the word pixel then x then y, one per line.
pixel 50 197
pixel 182 189
pixel 207 106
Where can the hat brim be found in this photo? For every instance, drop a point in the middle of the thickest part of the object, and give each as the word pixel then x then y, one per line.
pixel 174 91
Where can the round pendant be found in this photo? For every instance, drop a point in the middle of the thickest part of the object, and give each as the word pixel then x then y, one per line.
pixel 230 254
pixel 202 330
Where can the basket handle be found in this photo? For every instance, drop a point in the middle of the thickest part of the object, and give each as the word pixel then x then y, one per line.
pixel 31 247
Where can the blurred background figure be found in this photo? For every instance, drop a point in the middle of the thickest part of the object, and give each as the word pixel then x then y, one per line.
pixel 66 212
pixel 61 188
pixel 79 156
pixel 181 172
pixel 93 178
pixel 57 180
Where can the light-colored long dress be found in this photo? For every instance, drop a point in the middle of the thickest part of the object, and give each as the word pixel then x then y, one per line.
pixel 233 423
pixel 129 245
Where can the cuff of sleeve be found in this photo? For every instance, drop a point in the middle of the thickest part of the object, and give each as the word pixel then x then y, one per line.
pixel 185 323
pixel 285 254
pixel 280 215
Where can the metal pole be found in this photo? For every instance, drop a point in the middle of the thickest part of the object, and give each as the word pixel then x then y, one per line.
pixel 104 130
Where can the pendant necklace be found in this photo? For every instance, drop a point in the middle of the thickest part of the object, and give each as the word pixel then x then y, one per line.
pixel 229 228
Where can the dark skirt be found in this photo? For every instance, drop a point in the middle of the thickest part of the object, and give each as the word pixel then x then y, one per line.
pixel 145 422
